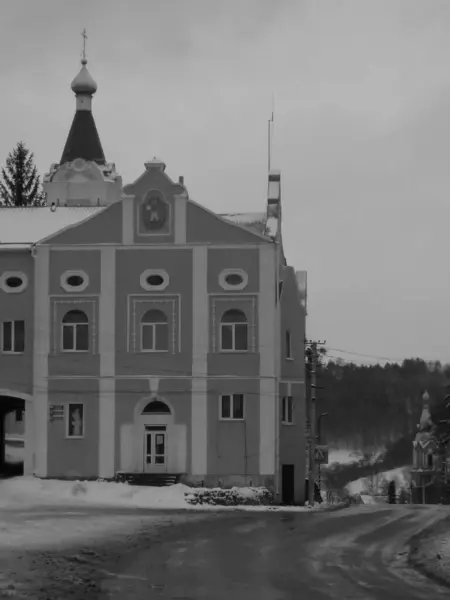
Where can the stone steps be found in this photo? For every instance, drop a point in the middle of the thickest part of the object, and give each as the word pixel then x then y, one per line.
pixel 149 479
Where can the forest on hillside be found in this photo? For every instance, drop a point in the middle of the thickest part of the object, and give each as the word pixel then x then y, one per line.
pixel 369 406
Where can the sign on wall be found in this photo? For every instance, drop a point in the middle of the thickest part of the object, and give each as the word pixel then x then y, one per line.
pixel 56 411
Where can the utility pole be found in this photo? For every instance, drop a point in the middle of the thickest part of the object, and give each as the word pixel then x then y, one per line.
pixel 312 359
pixel 319 440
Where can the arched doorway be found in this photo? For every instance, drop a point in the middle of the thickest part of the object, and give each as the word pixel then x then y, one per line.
pixel 12 433
pixel 155 418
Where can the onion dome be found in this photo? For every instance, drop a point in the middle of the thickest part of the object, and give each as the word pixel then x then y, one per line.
pixel 84 83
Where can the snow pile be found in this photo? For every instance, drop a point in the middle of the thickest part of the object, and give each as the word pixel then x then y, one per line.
pixel 26 490
pixel 20 492
pixel 230 497
pixel 377 484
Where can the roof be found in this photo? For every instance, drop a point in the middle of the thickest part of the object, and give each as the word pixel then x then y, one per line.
pixel 21 227
pixel 83 140
pixel 254 221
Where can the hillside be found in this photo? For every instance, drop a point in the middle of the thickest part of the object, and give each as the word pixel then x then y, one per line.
pixel 371 407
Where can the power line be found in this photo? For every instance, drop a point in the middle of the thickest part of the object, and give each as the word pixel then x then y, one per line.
pixel 375 356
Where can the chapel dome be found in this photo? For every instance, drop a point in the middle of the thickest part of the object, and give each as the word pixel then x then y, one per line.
pixel 84 83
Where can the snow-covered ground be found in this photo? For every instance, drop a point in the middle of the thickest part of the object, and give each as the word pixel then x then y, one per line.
pixel 344 457
pixel 375 485
pixel 31 491
pixel 430 552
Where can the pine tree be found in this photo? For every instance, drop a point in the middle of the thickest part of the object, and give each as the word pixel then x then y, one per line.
pixel 20 185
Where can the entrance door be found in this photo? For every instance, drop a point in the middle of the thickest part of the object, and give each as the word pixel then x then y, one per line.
pixel 287 484
pixel 155 449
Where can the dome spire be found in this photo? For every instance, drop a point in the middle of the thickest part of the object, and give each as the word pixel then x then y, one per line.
pixel 83 140
pixel 83 54
pixel 84 84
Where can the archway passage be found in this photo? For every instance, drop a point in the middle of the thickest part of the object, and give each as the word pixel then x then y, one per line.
pixel 12 436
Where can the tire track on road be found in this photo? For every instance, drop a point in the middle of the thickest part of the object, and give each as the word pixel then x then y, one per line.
pixel 370 561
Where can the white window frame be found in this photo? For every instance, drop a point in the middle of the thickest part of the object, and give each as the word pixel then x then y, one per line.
pixel 231 418
pixel 288 347
pixel 76 289
pixel 285 401
pixel 226 286
pixel 233 330
pixel 154 288
pixel 13 337
pixel 17 290
pixel 67 411
pixel 153 326
pixel 74 326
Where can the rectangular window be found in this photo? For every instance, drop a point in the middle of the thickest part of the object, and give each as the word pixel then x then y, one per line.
pixel 227 337
pixel 19 415
pixel 161 336
pixel 155 337
pixel 288 345
pixel 75 420
pixel 287 410
pixel 13 336
pixel 75 337
pixel 232 407
pixel 234 336
pixel 241 336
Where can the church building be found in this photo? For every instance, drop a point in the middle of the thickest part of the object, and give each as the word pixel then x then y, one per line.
pixel 144 334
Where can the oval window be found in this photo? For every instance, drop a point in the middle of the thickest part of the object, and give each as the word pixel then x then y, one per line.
pixel 75 280
pixel 234 279
pixel 14 282
pixel 155 280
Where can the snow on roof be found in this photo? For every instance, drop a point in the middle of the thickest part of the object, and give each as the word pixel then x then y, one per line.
pixel 21 227
pixel 254 221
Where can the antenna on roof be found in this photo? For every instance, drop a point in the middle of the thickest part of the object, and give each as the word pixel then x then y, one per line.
pixel 270 132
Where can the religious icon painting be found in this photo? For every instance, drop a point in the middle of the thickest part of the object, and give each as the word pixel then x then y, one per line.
pixel 154 212
pixel 75 424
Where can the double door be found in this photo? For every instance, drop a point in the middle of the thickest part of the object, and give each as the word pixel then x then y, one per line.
pixel 155 449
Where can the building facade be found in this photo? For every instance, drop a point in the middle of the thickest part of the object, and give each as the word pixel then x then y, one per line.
pixel 146 334
pixel 430 473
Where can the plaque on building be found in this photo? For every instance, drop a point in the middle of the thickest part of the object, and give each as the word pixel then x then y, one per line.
pixel 56 411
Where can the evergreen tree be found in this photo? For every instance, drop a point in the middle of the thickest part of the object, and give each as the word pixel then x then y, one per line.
pixel 20 184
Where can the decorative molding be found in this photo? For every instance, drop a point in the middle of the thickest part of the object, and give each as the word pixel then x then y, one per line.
pixel 243 301
pixel 70 288
pixel 167 226
pixel 129 245
pixel 226 273
pixel 133 300
pixel 55 302
pixel 13 290
pixel 153 288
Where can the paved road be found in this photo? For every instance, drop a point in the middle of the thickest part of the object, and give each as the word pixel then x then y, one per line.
pixel 353 554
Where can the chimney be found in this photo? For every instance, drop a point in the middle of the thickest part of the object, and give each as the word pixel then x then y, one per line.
pixel 181 180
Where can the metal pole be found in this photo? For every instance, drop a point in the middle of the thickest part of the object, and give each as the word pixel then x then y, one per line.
pixel 312 456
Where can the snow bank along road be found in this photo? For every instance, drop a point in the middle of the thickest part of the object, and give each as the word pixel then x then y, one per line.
pixel 353 554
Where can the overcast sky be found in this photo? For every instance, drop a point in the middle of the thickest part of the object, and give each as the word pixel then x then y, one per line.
pixel 362 134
